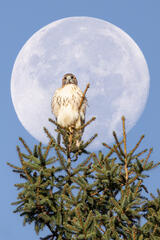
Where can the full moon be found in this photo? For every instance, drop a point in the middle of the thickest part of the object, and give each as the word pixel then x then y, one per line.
pixel 96 52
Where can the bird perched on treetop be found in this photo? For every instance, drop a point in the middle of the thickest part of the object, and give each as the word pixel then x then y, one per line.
pixel 66 103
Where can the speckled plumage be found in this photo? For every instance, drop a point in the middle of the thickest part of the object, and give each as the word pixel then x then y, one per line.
pixel 66 101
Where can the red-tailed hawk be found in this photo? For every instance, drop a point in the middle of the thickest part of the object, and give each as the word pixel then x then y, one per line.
pixel 66 102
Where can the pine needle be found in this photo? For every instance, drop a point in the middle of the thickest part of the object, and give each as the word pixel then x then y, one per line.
pixel 125 147
pixel 23 166
pixel 25 145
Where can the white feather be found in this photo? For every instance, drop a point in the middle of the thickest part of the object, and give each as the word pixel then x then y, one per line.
pixel 65 104
pixel 67 116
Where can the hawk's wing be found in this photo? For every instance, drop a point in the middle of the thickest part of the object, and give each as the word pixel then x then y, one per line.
pixel 56 103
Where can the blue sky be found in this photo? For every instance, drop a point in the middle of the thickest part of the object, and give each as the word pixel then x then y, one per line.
pixel 18 21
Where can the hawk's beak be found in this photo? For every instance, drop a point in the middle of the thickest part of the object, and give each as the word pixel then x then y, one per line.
pixel 69 79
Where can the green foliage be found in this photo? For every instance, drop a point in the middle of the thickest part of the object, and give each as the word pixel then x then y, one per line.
pixel 83 195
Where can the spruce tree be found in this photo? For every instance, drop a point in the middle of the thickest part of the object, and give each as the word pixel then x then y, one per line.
pixel 79 194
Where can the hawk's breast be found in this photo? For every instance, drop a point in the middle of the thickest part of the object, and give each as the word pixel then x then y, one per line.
pixel 65 104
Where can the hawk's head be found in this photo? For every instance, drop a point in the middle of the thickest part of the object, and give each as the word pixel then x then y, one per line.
pixel 69 78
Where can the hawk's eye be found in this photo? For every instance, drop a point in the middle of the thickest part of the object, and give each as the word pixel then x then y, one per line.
pixel 65 78
pixel 72 77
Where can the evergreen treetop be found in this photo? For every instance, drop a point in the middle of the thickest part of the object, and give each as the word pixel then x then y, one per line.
pixel 79 194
